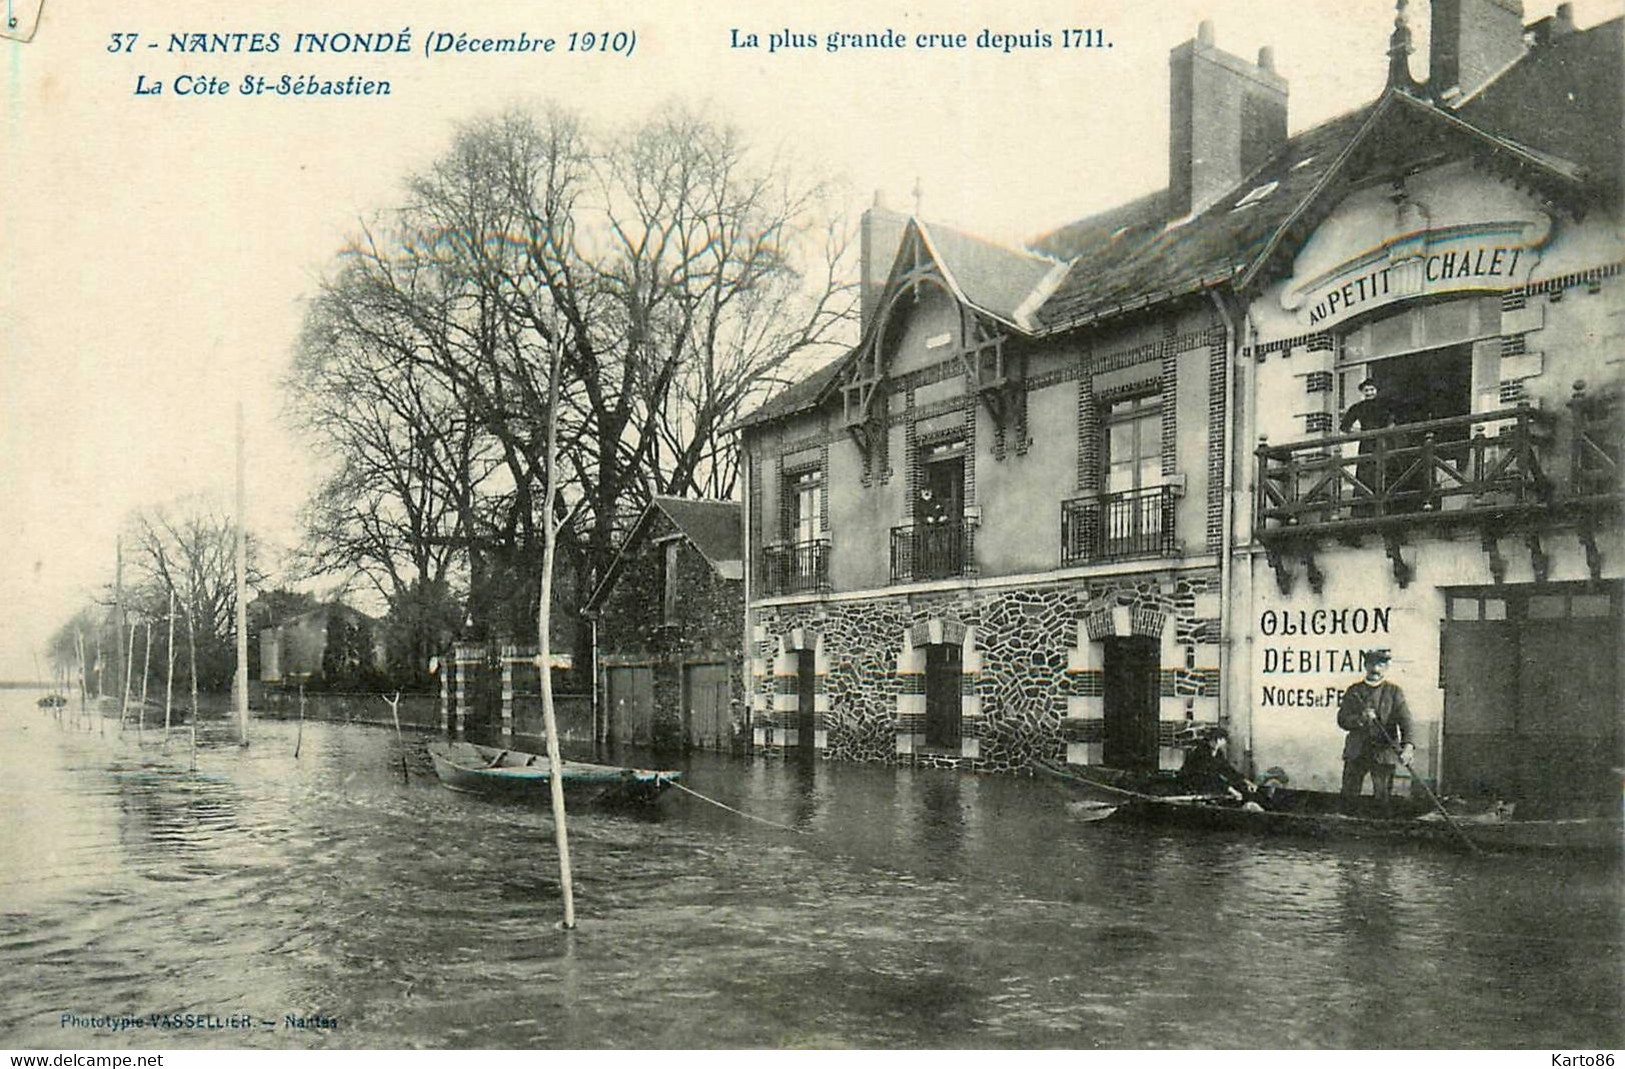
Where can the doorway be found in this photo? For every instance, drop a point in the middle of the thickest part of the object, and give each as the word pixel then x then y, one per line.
pixel 1531 696
pixel 943 705
pixel 939 515
pixel 631 705
pixel 806 702
pixel 705 690
pixel 1434 384
pixel 1133 692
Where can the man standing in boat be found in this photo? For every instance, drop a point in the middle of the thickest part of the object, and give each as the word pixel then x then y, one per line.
pixel 1378 722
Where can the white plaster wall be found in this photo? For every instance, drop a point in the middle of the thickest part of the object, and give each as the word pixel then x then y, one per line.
pixel 1305 740
pixel 1020 496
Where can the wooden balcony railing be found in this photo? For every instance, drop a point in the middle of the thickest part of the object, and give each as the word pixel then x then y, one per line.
pixel 1599 445
pixel 1375 479
pixel 930 551
pixel 1132 523
pixel 796 568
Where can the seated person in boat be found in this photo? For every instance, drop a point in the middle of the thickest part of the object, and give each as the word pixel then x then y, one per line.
pixel 1207 769
pixel 1378 722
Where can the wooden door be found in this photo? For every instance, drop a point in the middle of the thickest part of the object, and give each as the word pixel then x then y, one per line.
pixel 1568 715
pixel 631 704
pixel 705 691
pixel 943 706
pixel 806 701
pixel 1479 666
pixel 1132 686
pixel 1532 697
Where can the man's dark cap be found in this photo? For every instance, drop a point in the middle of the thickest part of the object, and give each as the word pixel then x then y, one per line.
pixel 1373 658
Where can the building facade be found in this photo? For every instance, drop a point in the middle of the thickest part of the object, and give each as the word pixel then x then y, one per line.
pixel 1066 501
pixel 1463 257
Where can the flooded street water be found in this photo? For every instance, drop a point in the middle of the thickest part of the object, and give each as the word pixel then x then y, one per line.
pixel 920 909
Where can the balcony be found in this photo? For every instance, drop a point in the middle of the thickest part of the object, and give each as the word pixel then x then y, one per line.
pixel 930 551
pixel 1132 523
pixel 796 568
pixel 1417 473
pixel 1487 471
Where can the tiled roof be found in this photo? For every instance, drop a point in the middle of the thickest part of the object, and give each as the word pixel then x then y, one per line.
pixel 795 397
pixel 713 527
pixel 1563 99
pixel 1007 283
pixel 1135 255
pixel 1556 112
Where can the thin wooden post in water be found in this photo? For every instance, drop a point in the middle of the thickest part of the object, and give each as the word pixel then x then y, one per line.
pixel 119 621
pixel 395 712
pixel 79 643
pixel 101 684
pixel 169 676
pixel 129 662
pixel 544 633
pixel 191 645
pixel 146 671
pixel 299 738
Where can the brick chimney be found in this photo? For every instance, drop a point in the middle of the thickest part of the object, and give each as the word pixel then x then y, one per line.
pixel 879 233
pixel 1226 117
pixel 1472 40
pixel 1555 27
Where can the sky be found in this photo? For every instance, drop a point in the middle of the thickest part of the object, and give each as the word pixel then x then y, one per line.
pixel 157 250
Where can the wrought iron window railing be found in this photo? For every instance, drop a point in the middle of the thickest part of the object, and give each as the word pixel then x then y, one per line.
pixel 930 551
pixel 1487 460
pixel 1130 523
pixel 796 567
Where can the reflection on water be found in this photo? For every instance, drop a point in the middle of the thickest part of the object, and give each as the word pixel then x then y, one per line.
pixel 920 908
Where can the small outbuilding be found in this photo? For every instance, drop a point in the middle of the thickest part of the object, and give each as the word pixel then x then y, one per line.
pixel 667 635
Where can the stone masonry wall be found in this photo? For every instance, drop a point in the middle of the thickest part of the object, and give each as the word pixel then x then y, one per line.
pixel 705 627
pixel 1032 685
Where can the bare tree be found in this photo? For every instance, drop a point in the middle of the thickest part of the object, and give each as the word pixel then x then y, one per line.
pixel 661 271
pixel 189 547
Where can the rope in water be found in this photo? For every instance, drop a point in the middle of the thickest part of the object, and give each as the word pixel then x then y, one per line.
pixel 731 809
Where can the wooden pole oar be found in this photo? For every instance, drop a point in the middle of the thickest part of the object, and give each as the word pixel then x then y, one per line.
pixel 1126 793
pixel 1443 812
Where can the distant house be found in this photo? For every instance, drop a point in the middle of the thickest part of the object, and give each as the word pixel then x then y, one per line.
pixel 668 639
pixel 291 652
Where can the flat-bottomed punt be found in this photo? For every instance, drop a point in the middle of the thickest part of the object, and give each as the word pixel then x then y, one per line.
pixel 1160 799
pixel 476 769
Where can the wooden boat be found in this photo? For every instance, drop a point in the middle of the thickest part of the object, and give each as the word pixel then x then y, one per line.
pixel 1161 799
pixel 52 701
pixel 467 766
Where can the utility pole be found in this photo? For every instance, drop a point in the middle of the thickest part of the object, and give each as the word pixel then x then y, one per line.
pixel 242 587
pixel 118 613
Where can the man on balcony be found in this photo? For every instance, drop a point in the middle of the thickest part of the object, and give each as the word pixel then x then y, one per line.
pixel 1371 413
pixel 1378 722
